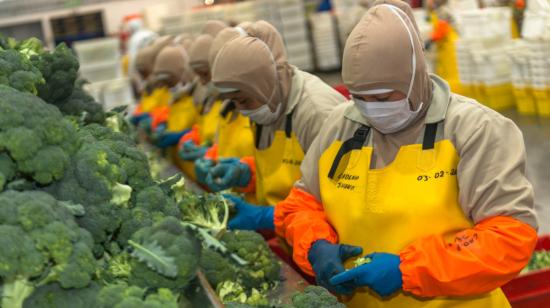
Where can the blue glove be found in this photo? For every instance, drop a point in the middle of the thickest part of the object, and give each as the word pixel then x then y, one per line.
pixel 158 132
pixel 202 167
pixel 249 216
pixel 191 151
pixel 327 260
pixel 382 274
pixel 230 172
pixel 145 125
pixel 138 118
pixel 169 139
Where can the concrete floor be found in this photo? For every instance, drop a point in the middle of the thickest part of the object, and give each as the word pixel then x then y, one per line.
pixel 536 133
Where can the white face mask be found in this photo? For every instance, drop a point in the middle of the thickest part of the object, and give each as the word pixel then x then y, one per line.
pixel 262 115
pixel 387 117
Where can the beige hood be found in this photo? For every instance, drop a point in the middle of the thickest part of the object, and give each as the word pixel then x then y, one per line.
pixel 145 58
pixel 198 54
pixel 213 27
pixel 246 63
pixel 171 61
pixel 384 51
pixel 221 39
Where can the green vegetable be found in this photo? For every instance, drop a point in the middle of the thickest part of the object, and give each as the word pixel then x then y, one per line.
pixel 35 136
pixel 79 104
pixel 18 72
pixel 42 244
pixel 539 260
pixel 121 295
pixel 60 70
pixel 360 261
pixel 208 211
pixel 164 256
pixel 314 297
pixel 53 296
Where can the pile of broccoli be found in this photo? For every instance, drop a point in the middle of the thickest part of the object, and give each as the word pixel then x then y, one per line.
pixel 83 220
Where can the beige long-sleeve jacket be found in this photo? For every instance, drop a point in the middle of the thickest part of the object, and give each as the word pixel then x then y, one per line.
pixel 491 171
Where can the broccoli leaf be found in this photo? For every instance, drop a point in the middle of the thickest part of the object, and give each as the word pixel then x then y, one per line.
pixel 155 257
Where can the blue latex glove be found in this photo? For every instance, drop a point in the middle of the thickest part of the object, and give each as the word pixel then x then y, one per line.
pixel 229 173
pixel 145 125
pixel 250 217
pixel 190 151
pixel 170 139
pixel 382 274
pixel 138 118
pixel 327 260
pixel 158 132
pixel 202 167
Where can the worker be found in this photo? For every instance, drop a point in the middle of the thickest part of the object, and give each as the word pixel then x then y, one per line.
pixel 194 144
pixel 444 37
pixel 428 184
pixel 171 122
pixel 233 139
pixel 287 107
pixel 139 38
pixel 152 96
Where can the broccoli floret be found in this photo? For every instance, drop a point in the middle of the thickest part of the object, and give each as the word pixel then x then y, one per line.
pixel 154 199
pixel 315 297
pixel 16 71
pixel 234 292
pixel 263 267
pixel 121 295
pixel 164 256
pixel 60 70
pixel 42 244
pixel 7 169
pixel 82 105
pixel 54 296
pixel 35 135
pixel 206 211
pixel 216 267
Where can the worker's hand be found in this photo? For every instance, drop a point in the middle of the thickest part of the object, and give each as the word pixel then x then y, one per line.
pixel 168 139
pixel 158 132
pixel 145 125
pixel 381 274
pixel 327 260
pixel 202 167
pixel 135 119
pixel 190 151
pixel 249 216
pixel 229 172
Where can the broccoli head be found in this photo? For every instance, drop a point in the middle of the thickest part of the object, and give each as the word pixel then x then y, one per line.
pixel 16 71
pixel 7 169
pixel 80 104
pixel 263 266
pixel 35 135
pixel 315 297
pixel 42 244
pixel 121 295
pixel 207 211
pixel 164 255
pixel 216 267
pixel 60 70
pixel 54 296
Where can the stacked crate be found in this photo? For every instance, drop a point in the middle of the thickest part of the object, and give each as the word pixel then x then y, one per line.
pixel 521 78
pixel 325 41
pixel 99 59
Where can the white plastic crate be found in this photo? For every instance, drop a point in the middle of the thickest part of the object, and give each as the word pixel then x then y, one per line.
pixel 488 23
pixel 97 50
pixel 101 71
pixel 117 93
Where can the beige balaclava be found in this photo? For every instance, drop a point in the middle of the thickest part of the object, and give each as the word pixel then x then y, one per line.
pixel 171 63
pixel 145 58
pixel 213 27
pixel 221 39
pixel 385 51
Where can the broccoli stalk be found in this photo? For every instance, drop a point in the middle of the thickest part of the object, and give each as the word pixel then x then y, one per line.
pixel 15 291
pixel 210 212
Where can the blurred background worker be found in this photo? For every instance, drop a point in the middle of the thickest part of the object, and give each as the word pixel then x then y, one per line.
pixel 194 144
pixel 171 122
pixel 429 185
pixel 139 38
pixel 233 139
pixel 151 95
pixel 287 107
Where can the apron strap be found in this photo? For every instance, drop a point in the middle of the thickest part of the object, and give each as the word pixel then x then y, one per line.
pixel 228 108
pixel 354 143
pixel 288 124
pixel 429 136
pixel 258 133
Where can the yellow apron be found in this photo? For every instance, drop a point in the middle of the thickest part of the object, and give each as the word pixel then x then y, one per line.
pixel 384 210
pixel 278 166
pixel 208 123
pixel 159 97
pixel 183 114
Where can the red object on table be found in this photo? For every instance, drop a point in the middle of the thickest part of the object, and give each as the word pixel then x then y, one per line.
pixel 532 289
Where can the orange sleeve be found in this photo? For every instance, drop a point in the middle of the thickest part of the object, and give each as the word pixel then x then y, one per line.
pixel 138 110
pixel 251 163
pixel 159 116
pixel 475 261
pixel 301 220
pixel 212 152
pixel 193 135
pixel 441 29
